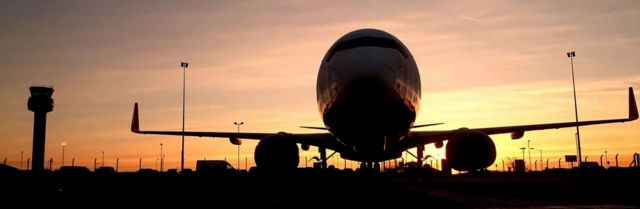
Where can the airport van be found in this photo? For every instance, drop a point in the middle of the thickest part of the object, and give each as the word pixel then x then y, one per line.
pixel 214 166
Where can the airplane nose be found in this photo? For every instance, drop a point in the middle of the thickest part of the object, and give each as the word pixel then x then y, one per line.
pixel 367 72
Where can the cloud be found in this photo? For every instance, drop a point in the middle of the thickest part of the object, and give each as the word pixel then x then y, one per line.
pixel 470 18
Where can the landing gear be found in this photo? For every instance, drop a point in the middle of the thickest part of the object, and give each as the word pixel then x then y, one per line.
pixel 420 156
pixel 376 167
pixel 370 166
pixel 323 157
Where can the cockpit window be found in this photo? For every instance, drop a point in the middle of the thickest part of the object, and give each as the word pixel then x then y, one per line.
pixel 367 41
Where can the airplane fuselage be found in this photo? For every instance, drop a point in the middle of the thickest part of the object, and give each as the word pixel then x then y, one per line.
pixel 368 94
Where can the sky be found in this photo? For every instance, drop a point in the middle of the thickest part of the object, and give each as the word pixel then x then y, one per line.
pixel 482 64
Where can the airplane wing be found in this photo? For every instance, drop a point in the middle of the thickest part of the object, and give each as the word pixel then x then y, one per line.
pixel 325 140
pixel 418 138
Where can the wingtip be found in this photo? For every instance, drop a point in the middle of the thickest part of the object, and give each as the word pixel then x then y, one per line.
pixel 135 124
pixel 633 106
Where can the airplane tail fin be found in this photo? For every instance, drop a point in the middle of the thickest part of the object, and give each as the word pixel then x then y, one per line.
pixel 633 107
pixel 135 124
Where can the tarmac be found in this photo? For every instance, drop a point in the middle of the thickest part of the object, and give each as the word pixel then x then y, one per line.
pixel 325 190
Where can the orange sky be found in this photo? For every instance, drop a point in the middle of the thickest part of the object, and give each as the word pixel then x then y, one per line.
pixel 482 64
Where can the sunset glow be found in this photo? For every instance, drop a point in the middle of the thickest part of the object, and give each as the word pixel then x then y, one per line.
pixel 482 64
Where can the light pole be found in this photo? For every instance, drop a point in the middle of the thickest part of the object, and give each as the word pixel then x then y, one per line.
pixel 184 66
pixel 523 148
pixel 63 144
pixel 541 165
pixel 161 158
pixel 21 160
pixel 540 159
pixel 102 159
pixel 529 145
pixel 606 158
pixel 571 55
pixel 238 124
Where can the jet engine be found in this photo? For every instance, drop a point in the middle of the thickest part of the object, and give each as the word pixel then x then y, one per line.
pixel 276 152
pixel 470 150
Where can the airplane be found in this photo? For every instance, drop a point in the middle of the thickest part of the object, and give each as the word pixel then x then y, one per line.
pixel 368 94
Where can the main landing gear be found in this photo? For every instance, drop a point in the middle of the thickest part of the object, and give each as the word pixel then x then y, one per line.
pixel 370 166
pixel 323 157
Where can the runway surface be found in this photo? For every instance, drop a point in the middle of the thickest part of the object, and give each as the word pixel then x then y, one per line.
pixel 318 191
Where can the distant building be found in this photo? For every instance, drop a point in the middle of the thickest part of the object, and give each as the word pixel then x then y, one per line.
pixel 520 167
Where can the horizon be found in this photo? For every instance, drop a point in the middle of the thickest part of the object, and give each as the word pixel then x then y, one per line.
pixel 482 64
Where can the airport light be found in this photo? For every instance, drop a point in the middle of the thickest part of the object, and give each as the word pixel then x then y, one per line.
pixel 529 145
pixel 571 55
pixel 238 124
pixel 63 144
pixel 523 148
pixel 184 66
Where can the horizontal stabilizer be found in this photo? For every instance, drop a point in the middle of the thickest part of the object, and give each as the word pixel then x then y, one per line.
pixel 309 127
pixel 416 126
pixel 425 125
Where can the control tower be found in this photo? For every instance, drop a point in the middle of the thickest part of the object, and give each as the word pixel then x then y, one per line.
pixel 40 103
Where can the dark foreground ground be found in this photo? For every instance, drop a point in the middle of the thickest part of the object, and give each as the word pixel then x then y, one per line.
pixel 323 190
